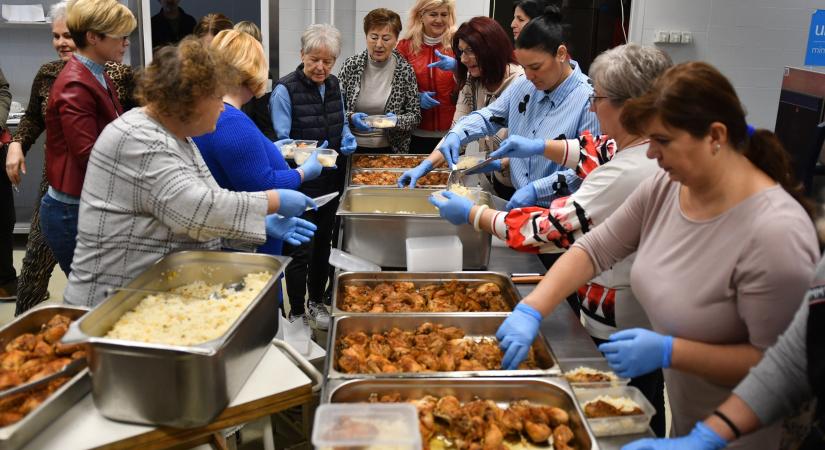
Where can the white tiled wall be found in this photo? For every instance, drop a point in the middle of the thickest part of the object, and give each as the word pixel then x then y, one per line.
pixel 348 17
pixel 750 41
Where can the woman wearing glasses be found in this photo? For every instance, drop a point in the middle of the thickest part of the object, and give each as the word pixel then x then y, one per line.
pixel 83 100
pixel 381 81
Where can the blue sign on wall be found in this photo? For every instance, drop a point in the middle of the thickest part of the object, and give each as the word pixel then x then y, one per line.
pixel 815 55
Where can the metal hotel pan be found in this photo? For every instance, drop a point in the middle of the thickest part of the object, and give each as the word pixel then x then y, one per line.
pixel 61 400
pixel 545 391
pixel 409 161
pixel 474 326
pixel 398 172
pixel 344 279
pixel 378 220
pixel 179 386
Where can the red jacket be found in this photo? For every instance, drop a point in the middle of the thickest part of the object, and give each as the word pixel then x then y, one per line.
pixel 434 80
pixel 76 113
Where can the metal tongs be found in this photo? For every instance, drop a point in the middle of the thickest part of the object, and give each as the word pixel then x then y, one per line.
pixel 457 175
pixel 69 369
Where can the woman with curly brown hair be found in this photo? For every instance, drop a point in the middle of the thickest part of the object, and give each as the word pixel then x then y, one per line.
pixel 149 192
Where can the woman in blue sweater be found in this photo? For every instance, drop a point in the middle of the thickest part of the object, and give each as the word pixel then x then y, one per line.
pixel 239 156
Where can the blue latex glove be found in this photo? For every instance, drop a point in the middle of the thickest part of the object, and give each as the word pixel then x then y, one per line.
pixel 293 230
pixel 293 203
pixel 449 148
pixel 427 100
pixel 390 114
pixel 410 177
pixel 494 166
pixel 456 209
pixel 637 352
pixel 324 144
pixel 280 142
pixel 519 147
pixel 525 196
pixel 348 144
pixel 517 333
pixel 700 438
pixel 445 62
pixel 311 167
pixel 357 119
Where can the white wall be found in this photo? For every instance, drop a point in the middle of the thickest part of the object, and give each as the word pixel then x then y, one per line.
pixel 750 41
pixel 294 16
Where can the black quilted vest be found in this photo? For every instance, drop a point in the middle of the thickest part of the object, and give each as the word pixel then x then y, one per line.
pixel 313 117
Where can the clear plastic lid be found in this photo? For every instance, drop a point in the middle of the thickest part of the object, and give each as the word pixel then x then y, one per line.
pixel 351 263
pixel 366 426
pixel 617 425
pixel 577 371
pixel 381 121
pixel 327 157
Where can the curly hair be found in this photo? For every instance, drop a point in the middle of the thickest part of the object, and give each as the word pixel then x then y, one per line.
pixel 179 76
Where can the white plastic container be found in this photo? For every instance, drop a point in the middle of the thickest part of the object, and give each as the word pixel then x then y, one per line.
pixel 288 148
pixel 326 157
pixel 434 254
pixel 351 263
pixel 619 425
pixel 385 426
pixel 381 121
pixel 600 364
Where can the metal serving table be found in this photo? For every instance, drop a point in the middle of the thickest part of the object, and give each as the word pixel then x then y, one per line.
pixel 280 381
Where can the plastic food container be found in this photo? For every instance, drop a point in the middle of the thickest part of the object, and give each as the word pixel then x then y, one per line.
pixel 390 426
pixel 326 157
pixel 288 149
pixel 351 263
pixel 619 425
pixel 600 364
pixel 381 121
pixel 472 193
pixel 434 254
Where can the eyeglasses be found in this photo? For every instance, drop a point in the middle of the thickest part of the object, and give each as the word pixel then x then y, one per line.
pixel 593 98
pixel 467 51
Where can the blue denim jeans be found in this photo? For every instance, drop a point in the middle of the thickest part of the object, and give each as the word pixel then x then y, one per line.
pixel 58 223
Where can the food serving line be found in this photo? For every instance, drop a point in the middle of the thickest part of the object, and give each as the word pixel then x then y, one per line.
pixel 179 396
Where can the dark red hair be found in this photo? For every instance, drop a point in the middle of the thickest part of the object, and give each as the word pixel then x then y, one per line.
pixel 492 46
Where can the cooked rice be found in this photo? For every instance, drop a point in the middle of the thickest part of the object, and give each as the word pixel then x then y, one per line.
pixel 186 316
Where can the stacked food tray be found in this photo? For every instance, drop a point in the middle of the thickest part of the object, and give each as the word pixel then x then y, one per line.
pixel 435 342
pixel 383 170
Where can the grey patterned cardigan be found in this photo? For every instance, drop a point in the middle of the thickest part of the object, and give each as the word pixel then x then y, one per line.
pixel 403 98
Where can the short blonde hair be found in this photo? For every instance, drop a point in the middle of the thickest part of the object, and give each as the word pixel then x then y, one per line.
pixel 249 28
pixel 246 55
pixel 415 26
pixel 98 16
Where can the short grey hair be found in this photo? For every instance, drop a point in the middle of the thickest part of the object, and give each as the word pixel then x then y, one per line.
pixel 628 71
pixel 58 11
pixel 321 36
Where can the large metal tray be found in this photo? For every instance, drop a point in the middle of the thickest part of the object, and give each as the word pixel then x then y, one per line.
pixel 398 172
pixel 508 289
pixel 413 160
pixel 179 386
pixel 474 326
pixel 377 221
pixel 546 391
pixel 18 434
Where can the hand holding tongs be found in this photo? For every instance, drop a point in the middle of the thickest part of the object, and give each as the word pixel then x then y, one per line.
pixel 457 175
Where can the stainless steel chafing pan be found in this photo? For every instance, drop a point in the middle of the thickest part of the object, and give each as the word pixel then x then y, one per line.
pixel 474 326
pixel 544 391
pixel 17 434
pixel 377 221
pixel 179 386
pixel 397 173
pixel 342 280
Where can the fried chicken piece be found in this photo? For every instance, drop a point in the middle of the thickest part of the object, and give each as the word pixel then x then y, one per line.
pixel 557 416
pixel 487 288
pixel 12 360
pixel 50 368
pixel 24 343
pixel 375 363
pixel 12 401
pixel 58 319
pixel 493 438
pixel 80 354
pixel 450 333
pixel 562 434
pixel 409 364
pixel 446 363
pixel 442 304
pixel 447 408
pixel 10 417
pixel 43 349
pixel 9 379
pixel 488 355
pixel 378 346
pixel 351 360
pixel 467 365
pixel 471 306
pixel 391 398
pixel 34 400
pixel 404 286
pixel 31 367
pixel 457 348
pixel 357 338
pixel 68 349
pixel 377 308
pixel 537 432
pixel 510 422
pixel 428 361
pixel 54 333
